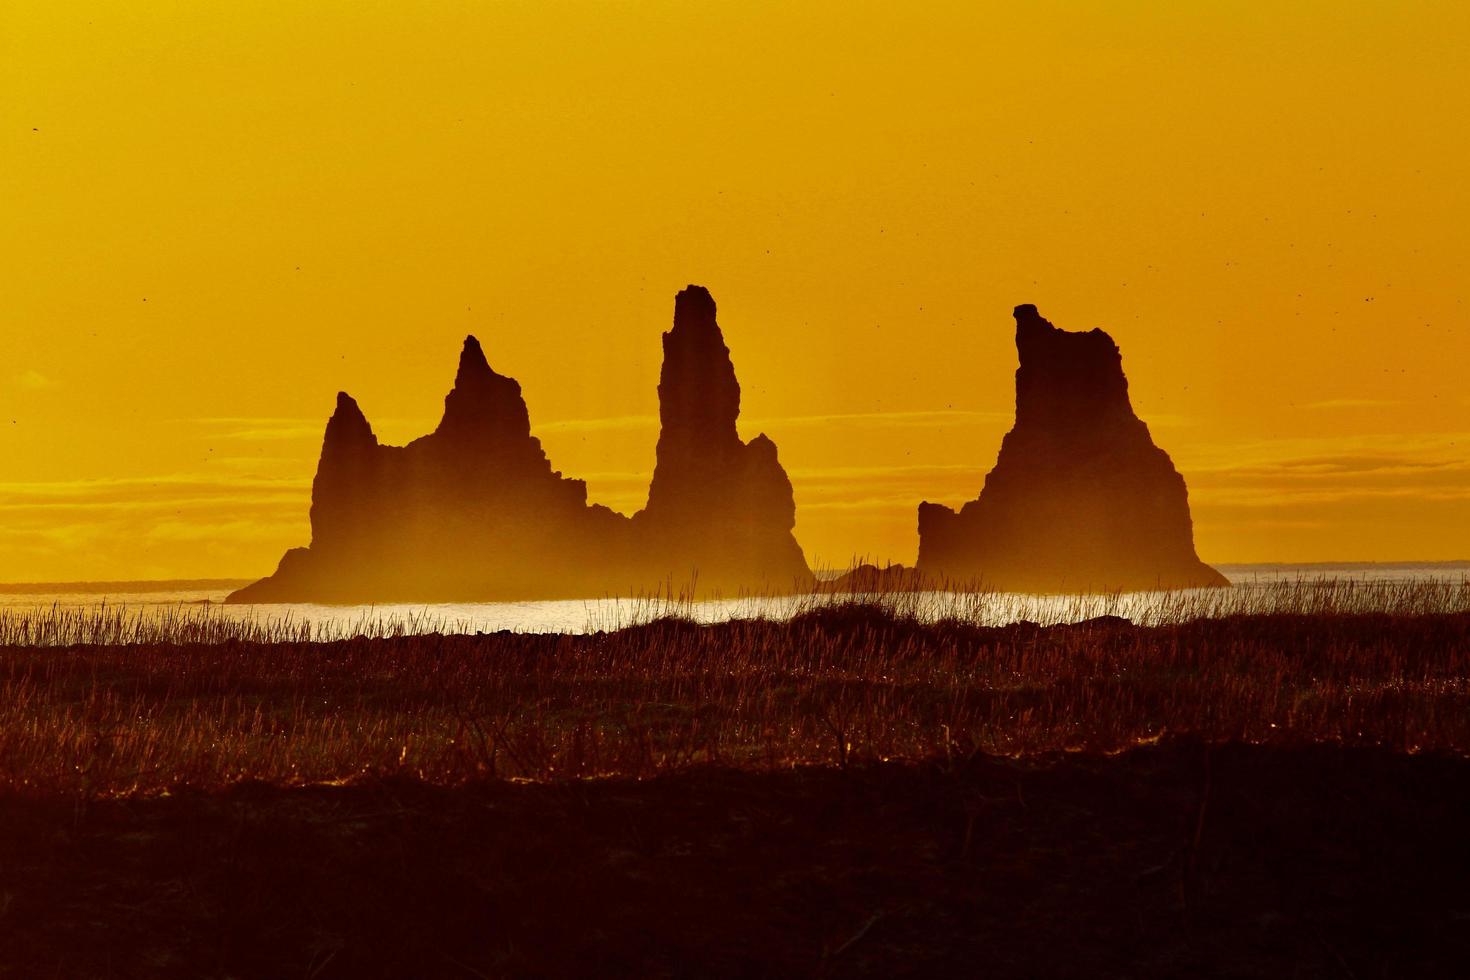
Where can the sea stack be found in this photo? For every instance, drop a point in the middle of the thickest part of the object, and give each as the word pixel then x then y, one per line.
pixel 474 510
pixel 1080 498
pixel 471 511
pixel 718 508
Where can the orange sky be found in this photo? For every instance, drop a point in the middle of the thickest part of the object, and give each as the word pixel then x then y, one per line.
pixel 215 216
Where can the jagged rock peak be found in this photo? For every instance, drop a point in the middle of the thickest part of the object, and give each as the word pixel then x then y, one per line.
pixel 483 403
pixel 472 363
pixel 694 307
pixel 698 393
pixel 347 407
pixel 347 426
pixel 1067 380
pixel 1033 329
pixel 1080 497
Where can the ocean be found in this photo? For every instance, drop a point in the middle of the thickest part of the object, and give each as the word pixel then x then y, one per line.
pixel 131 609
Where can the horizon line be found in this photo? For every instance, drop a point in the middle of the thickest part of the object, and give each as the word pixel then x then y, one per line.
pixel 223 582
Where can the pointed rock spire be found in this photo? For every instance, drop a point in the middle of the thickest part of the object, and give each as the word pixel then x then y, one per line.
pixel 716 504
pixel 698 396
pixel 346 468
pixel 348 429
pixel 483 408
pixel 472 363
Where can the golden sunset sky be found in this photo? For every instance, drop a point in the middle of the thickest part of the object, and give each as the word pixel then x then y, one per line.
pixel 217 215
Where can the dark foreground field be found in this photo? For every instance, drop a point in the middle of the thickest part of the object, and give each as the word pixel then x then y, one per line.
pixel 847 793
pixel 1172 860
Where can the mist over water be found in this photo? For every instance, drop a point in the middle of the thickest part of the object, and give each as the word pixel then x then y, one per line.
pixel 1257 589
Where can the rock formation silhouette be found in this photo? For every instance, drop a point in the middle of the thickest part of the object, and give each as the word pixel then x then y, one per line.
pixel 717 505
pixel 471 510
pixel 474 510
pixel 1080 498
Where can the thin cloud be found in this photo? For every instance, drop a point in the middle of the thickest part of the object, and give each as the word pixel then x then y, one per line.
pixel 614 423
pixel 261 420
pixel 942 417
pixel 68 529
pixel 33 380
pixel 282 433
pixel 285 429
pixel 854 473
pixel 1275 497
pixel 172 494
pixel 923 419
pixel 1339 403
pixel 1427 469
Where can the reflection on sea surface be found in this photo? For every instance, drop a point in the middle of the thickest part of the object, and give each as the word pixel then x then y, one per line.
pixel 86 616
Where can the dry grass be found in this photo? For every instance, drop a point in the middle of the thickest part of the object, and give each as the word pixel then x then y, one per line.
pixel 1308 851
pixel 111 702
pixel 112 623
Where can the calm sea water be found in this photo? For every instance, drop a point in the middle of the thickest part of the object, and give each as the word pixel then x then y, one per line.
pixel 1259 588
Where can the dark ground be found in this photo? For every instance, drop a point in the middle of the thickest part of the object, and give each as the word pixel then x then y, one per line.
pixel 1174 860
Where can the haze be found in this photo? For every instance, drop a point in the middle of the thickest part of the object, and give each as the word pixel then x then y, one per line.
pixel 217 217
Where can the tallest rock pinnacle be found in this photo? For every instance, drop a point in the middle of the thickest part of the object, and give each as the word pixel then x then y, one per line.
pixel 719 508
pixel 698 396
